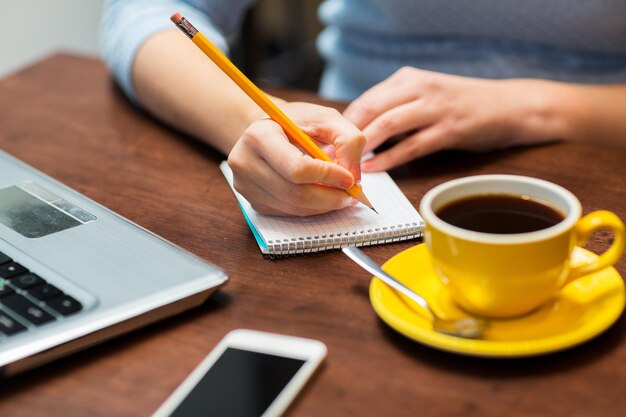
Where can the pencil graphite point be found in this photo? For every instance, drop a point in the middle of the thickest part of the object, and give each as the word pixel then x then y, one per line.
pixel 363 199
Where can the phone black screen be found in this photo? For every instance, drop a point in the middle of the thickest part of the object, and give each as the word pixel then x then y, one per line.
pixel 240 384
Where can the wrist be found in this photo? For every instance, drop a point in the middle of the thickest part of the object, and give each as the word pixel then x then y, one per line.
pixel 540 110
pixel 247 115
pixel 254 112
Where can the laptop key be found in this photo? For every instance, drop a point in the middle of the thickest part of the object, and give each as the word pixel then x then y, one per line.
pixel 8 325
pixel 64 304
pixel 4 259
pixel 25 308
pixel 26 281
pixel 44 292
pixel 11 269
pixel 5 289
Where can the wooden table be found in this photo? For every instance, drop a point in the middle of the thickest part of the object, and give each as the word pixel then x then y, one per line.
pixel 65 117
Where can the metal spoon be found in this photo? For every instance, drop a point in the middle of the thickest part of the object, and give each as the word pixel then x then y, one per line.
pixel 467 327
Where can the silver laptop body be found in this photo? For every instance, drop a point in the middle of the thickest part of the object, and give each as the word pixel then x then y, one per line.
pixel 83 274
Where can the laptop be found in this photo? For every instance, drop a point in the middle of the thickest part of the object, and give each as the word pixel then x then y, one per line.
pixel 73 273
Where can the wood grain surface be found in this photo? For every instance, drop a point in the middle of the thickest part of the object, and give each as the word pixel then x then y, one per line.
pixel 65 117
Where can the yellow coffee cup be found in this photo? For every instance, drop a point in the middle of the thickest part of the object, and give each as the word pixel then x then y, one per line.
pixel 500 273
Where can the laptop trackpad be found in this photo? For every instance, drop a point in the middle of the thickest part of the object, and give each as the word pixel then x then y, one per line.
pixel 34 212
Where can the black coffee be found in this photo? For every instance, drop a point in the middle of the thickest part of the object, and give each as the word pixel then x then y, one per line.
pixel 501 214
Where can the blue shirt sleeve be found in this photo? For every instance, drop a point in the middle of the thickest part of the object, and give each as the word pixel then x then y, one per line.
pixel 127 24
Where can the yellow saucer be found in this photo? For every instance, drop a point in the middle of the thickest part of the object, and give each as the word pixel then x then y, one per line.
pixel 582 310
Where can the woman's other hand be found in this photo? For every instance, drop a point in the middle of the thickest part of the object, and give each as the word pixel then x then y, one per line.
pixel 438 111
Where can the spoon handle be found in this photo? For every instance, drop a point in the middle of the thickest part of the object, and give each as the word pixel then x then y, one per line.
pixel 365 262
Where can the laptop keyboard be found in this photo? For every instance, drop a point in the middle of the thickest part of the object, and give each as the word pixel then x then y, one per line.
pixel 28 301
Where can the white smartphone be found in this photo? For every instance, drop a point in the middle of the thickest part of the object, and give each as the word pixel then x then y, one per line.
pixel 248 374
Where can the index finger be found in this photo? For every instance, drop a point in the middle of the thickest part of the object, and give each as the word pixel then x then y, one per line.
pixel 376 101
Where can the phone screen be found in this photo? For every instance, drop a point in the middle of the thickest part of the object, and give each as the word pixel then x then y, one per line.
pixel 240 384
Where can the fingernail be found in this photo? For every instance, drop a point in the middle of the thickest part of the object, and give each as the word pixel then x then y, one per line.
pixel 346 183
pixel 355 170
pixel 354 202
pixel 366 166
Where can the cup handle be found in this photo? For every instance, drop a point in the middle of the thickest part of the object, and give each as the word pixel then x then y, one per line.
pixel 584 228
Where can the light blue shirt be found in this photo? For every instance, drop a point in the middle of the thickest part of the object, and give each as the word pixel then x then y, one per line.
pixel 365 41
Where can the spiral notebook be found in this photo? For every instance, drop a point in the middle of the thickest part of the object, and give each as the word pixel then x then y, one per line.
pixel 396 220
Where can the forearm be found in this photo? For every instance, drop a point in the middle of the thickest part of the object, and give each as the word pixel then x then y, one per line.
pixel 175 81
pixel 594 114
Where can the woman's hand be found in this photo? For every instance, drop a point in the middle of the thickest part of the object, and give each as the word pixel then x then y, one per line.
pixel 278 178
pixel 440 111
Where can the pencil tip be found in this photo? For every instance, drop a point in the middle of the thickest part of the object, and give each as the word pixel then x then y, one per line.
pixel 363 199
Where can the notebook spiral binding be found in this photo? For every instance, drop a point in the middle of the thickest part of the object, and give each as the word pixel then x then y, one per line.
pixel 310 244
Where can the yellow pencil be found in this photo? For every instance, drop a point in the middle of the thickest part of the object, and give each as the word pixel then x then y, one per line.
pixel 292 130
